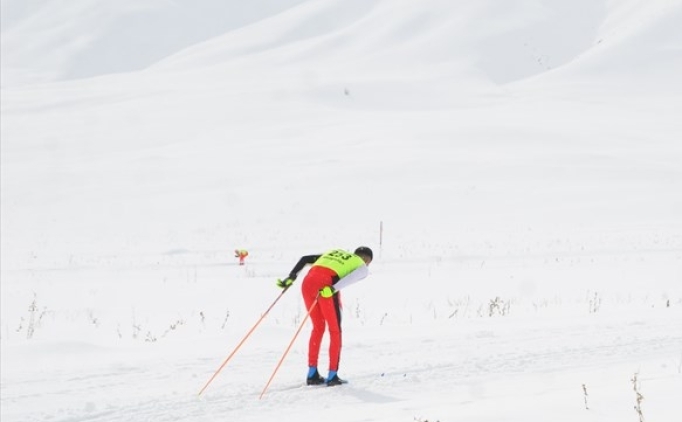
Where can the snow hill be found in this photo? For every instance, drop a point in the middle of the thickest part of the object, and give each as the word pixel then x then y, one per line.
pixel 53 40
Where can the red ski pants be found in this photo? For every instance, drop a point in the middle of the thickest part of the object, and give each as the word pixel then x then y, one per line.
pixel 327 314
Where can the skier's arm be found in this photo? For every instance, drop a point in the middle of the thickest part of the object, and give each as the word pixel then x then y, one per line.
pixel 353 277
pixel 305 260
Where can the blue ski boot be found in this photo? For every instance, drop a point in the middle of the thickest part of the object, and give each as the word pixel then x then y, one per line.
pixel 314 377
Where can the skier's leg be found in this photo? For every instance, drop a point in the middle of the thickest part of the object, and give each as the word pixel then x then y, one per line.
pixel 317 319
pixel 331 311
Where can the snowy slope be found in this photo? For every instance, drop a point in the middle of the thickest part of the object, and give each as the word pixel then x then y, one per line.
pixel 516 167
pixel 53 39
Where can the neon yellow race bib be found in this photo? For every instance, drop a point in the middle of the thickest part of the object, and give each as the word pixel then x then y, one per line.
pixel 340 261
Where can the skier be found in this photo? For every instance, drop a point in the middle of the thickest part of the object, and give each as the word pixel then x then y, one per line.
pixel 241 254
pixel 330 272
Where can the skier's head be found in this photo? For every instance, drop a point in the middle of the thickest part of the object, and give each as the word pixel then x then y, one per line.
pixel 365 253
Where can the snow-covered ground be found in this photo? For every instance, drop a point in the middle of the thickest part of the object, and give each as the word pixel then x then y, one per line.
pixel 516 167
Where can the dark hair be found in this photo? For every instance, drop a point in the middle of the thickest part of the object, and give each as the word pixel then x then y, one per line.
pixel 364 251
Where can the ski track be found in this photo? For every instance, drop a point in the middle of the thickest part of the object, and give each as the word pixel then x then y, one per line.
pixel 482 356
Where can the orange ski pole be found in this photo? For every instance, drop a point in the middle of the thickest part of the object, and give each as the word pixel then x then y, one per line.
pixel 287 349
pixel 242 341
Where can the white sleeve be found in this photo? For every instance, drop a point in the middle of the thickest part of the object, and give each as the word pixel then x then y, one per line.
pixel 353 277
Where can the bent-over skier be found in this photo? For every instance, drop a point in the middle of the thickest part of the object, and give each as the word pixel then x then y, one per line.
pixel 330 272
